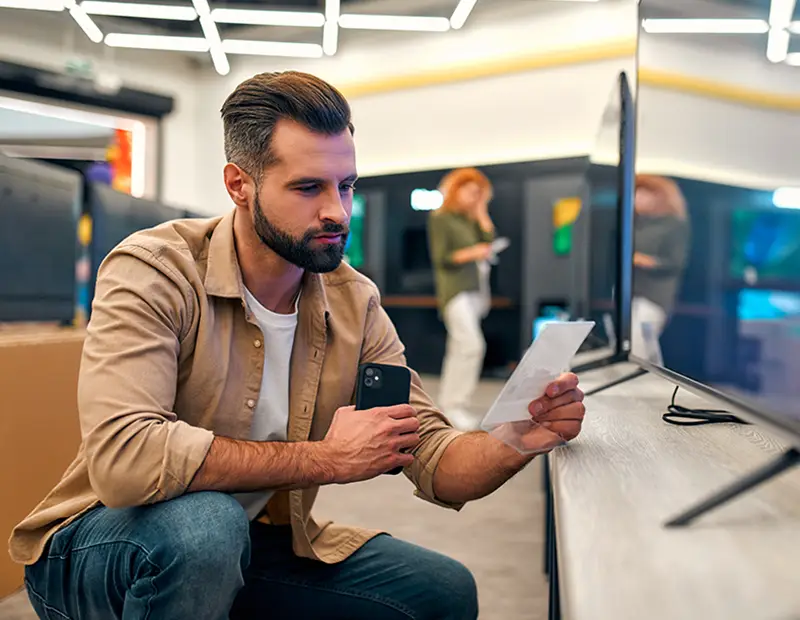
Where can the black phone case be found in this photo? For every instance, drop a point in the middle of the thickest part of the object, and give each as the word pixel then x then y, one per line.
pixel 394 389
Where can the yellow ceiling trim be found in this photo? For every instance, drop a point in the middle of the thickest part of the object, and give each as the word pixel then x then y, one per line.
pixel 617 48
pixel 719 90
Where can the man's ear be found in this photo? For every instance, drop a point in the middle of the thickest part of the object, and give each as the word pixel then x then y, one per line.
pixel 239 184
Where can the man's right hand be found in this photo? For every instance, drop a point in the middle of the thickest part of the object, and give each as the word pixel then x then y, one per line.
pixel 364 444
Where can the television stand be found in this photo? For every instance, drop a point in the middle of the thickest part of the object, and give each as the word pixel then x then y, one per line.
pixel 612 360
pixel 777 466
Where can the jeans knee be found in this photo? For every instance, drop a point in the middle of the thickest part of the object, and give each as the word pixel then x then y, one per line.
pixel 457 591
pixel 209 531
pixel 463 592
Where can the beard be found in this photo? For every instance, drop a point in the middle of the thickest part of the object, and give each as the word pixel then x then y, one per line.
pixel 301 252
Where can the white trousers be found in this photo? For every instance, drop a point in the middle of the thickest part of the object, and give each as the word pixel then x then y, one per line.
pixel 463 358
pixel 647 318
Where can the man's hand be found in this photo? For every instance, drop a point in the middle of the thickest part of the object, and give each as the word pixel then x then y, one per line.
pixel 558 414
pixel 364 444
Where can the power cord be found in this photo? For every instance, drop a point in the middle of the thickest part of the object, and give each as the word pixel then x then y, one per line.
pixel 683 416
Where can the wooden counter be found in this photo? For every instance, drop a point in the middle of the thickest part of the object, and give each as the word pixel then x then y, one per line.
pixel 628 473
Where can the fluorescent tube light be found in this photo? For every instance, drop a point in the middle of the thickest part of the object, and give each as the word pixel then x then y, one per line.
pixel 787 197
pixel 144 11
pixel 460 15
pixel 794 27
pixel 272 48
pixel 35 5
pixel 394 22
pixel 201 6
pixel 705 26
pixel 781 13
pixel 85 22
pixel 157 42
pixel 777 44
pixel 254 17
pixel 330 32
pixel 211 34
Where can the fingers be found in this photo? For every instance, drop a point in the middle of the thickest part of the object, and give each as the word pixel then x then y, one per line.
pixel 402 460
pixel 398 412
pixel 404 425
pixel 544 404
pixel 566 382
pixel 405 442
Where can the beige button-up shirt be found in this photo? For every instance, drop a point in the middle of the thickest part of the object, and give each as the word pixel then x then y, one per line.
pixel 172 358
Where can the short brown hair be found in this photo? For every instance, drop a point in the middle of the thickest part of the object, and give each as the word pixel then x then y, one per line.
pixel 252 110
pixel 670 197
pixel 456 179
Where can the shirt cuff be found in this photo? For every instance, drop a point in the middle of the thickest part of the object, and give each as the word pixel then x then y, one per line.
pixel 186 449
pixel 426 470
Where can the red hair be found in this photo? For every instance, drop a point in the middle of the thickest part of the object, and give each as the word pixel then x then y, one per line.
pixel 670 197
pixel 455 180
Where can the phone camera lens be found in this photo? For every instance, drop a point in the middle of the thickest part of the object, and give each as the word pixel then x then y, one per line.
pixel 377 378
pixel 368 382
pixel 369 372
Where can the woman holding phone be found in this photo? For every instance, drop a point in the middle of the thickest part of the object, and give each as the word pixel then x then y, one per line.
pixel 460 235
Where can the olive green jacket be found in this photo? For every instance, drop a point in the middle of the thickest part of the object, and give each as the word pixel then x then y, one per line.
pixel 448 232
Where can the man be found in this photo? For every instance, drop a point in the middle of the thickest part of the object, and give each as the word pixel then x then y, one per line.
pixel 214 395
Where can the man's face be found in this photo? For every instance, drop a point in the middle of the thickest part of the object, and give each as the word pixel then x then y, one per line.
pixel 302 206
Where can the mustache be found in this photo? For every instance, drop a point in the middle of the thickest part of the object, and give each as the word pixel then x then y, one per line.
pixel 329 228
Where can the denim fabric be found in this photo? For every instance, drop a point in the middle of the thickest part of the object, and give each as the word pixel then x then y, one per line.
pixel 197 557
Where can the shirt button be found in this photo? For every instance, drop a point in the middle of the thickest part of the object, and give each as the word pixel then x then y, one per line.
pixel 251 403
pixel 257 343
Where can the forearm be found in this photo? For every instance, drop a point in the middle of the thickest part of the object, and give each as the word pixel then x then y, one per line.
pixel 475 465
pixel 485 222
pixel 238 466
pixel 466 255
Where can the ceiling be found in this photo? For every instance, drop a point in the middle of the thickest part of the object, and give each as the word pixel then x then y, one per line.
pixel 426 8
pixel 719 9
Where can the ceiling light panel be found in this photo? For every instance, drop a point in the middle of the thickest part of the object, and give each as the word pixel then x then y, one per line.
pixel 142 11
pixel 36 5
pixel 272 48
pixel 460 15
pixel 705 26
pixel 330 31
pixel 157 42
pixel 394 22
pixel 299 19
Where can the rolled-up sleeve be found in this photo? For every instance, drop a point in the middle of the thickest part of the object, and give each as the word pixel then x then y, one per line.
pixel 138 452
pixel 383 346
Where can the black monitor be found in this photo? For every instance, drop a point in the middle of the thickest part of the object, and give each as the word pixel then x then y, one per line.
pixel 115 216
pixel 40 207
pixel 602 276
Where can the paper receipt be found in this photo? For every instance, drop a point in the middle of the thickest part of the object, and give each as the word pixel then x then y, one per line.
pixel 548 357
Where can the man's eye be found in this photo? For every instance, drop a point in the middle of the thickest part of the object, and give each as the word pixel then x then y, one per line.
pixel 347 187
pixel 308 189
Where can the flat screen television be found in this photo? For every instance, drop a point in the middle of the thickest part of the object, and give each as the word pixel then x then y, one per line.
pixel 115 216
pixel 602 275
pixel 39 205
pixel 734 334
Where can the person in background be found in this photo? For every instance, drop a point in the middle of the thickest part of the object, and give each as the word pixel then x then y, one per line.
pixel 459 234
pixel 661 245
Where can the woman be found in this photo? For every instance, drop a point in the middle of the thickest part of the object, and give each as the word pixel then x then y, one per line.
pixel 459 234
pixel 661 245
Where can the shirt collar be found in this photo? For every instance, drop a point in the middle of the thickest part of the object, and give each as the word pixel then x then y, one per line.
pixel 224 276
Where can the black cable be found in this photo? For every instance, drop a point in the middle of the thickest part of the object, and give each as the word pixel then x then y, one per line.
pixel 683 416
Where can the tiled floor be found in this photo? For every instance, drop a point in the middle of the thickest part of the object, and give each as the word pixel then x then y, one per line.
pixel 499 538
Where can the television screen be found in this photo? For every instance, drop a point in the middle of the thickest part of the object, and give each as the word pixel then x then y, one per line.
pixel 601 275
pixel 717 286
pixel 39 206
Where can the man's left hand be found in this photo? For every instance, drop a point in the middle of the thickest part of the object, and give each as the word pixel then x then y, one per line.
pixel 559 411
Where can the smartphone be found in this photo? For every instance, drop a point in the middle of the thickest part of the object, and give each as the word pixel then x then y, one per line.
pixel 382 385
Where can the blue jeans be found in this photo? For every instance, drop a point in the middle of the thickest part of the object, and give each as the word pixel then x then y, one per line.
pixel 197 557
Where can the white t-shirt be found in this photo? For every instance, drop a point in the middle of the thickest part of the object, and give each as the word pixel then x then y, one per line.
pixel 271 413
